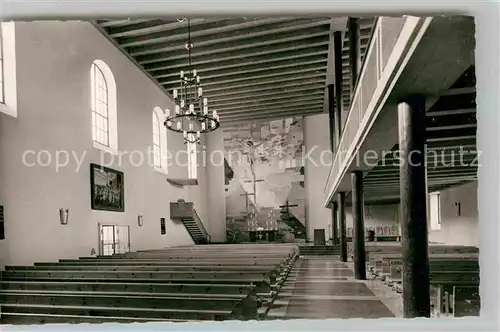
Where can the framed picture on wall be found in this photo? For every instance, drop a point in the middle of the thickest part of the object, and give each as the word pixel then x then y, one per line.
pixel 107 189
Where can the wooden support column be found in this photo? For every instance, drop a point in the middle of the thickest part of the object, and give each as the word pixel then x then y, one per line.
pixel 342 226
pixel 331 116
pixel 337 48
pixel 335 234
pixel 354 56
pixel 359 225
pixel 416 301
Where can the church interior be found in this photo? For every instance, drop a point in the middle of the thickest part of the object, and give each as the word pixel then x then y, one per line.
pixel 238 168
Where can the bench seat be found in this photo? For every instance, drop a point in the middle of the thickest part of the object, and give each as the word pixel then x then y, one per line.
pixel 173 284
pixel 23 318
pixel 265 269
pixel 129 312
pixel 136 287
pixel 262 286
pixel 244 308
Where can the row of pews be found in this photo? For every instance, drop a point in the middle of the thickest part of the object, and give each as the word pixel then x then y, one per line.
pixel 319 250
pixel 453 274
pixel 190 283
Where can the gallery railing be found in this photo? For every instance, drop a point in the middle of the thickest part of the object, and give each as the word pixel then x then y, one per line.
pixel 391 42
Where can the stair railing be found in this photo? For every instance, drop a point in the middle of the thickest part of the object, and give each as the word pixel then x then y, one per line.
pixel 200 225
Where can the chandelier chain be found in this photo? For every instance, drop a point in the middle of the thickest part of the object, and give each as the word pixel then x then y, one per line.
pixel 192 116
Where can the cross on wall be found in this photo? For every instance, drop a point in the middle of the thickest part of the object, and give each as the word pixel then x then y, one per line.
pixel 246 200
pixel 288 206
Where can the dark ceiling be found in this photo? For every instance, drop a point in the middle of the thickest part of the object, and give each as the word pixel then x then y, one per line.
pixel 260 68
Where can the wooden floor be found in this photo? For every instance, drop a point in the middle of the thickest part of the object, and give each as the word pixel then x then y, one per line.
pixel 323 287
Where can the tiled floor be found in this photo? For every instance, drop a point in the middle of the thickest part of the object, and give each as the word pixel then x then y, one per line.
pixel 323 287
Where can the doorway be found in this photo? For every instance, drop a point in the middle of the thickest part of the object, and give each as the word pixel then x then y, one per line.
pixel 319 237
pixel 114 239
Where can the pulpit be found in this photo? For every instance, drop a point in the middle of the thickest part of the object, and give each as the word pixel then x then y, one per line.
pixel 181 210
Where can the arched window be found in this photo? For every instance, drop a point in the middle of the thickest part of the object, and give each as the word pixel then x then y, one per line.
pixel 8 84
pixel 159 141
pixel 192 158
pixel 104 110
pixel 156 140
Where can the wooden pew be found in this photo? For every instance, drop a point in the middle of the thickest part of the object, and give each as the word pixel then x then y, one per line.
pixel 465 301
pixel 137 266
pixel 237 307
pixel 262 281
pixel 197 284
pixel 373 250
pixel 376 264
pixel 383 262
pixel 210 290
pixel 450 266
pixel 445 278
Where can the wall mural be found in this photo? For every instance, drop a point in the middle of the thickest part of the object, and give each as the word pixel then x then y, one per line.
pixel 265 195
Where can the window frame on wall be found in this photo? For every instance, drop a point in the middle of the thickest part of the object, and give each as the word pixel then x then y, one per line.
pixel 435 210
pixel 2 86
pixel 8 78
pixel 103 107
pixel 160 151
pixel 192 157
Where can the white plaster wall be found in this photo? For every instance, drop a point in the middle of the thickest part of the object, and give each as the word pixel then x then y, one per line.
pixel 463 229
pixel 316 141
pixel 53 76
pixel 376 215
pixel 198 194
pixel 215 181
pixel 235 202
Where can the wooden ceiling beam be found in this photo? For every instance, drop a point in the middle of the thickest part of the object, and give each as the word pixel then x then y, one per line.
pixel 286 114
pixel 257 109
pixel 278 92
pixel 317 93
pixel 118 23
pixel 224 25
pixel 167 76
pixel 251 81
pixel 231 61
pixel 154 26
pixel 225 54
pixel 259 85
pixel 266 31
pixel 213 46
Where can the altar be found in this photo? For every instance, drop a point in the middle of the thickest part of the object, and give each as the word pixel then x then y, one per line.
pixel 262 236
pixel 263 231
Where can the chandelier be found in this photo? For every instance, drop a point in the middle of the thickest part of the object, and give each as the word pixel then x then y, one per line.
pixel 191 116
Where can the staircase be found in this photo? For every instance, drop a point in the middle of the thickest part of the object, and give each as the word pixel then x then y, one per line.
pixel 184 212
pixel 319 250
pixel 292 222
pixel 196 229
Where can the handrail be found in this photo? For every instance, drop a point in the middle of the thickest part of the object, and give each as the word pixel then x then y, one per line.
pixel 364 62
pixel 392 41
pixel 200 224
pixel 357 83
